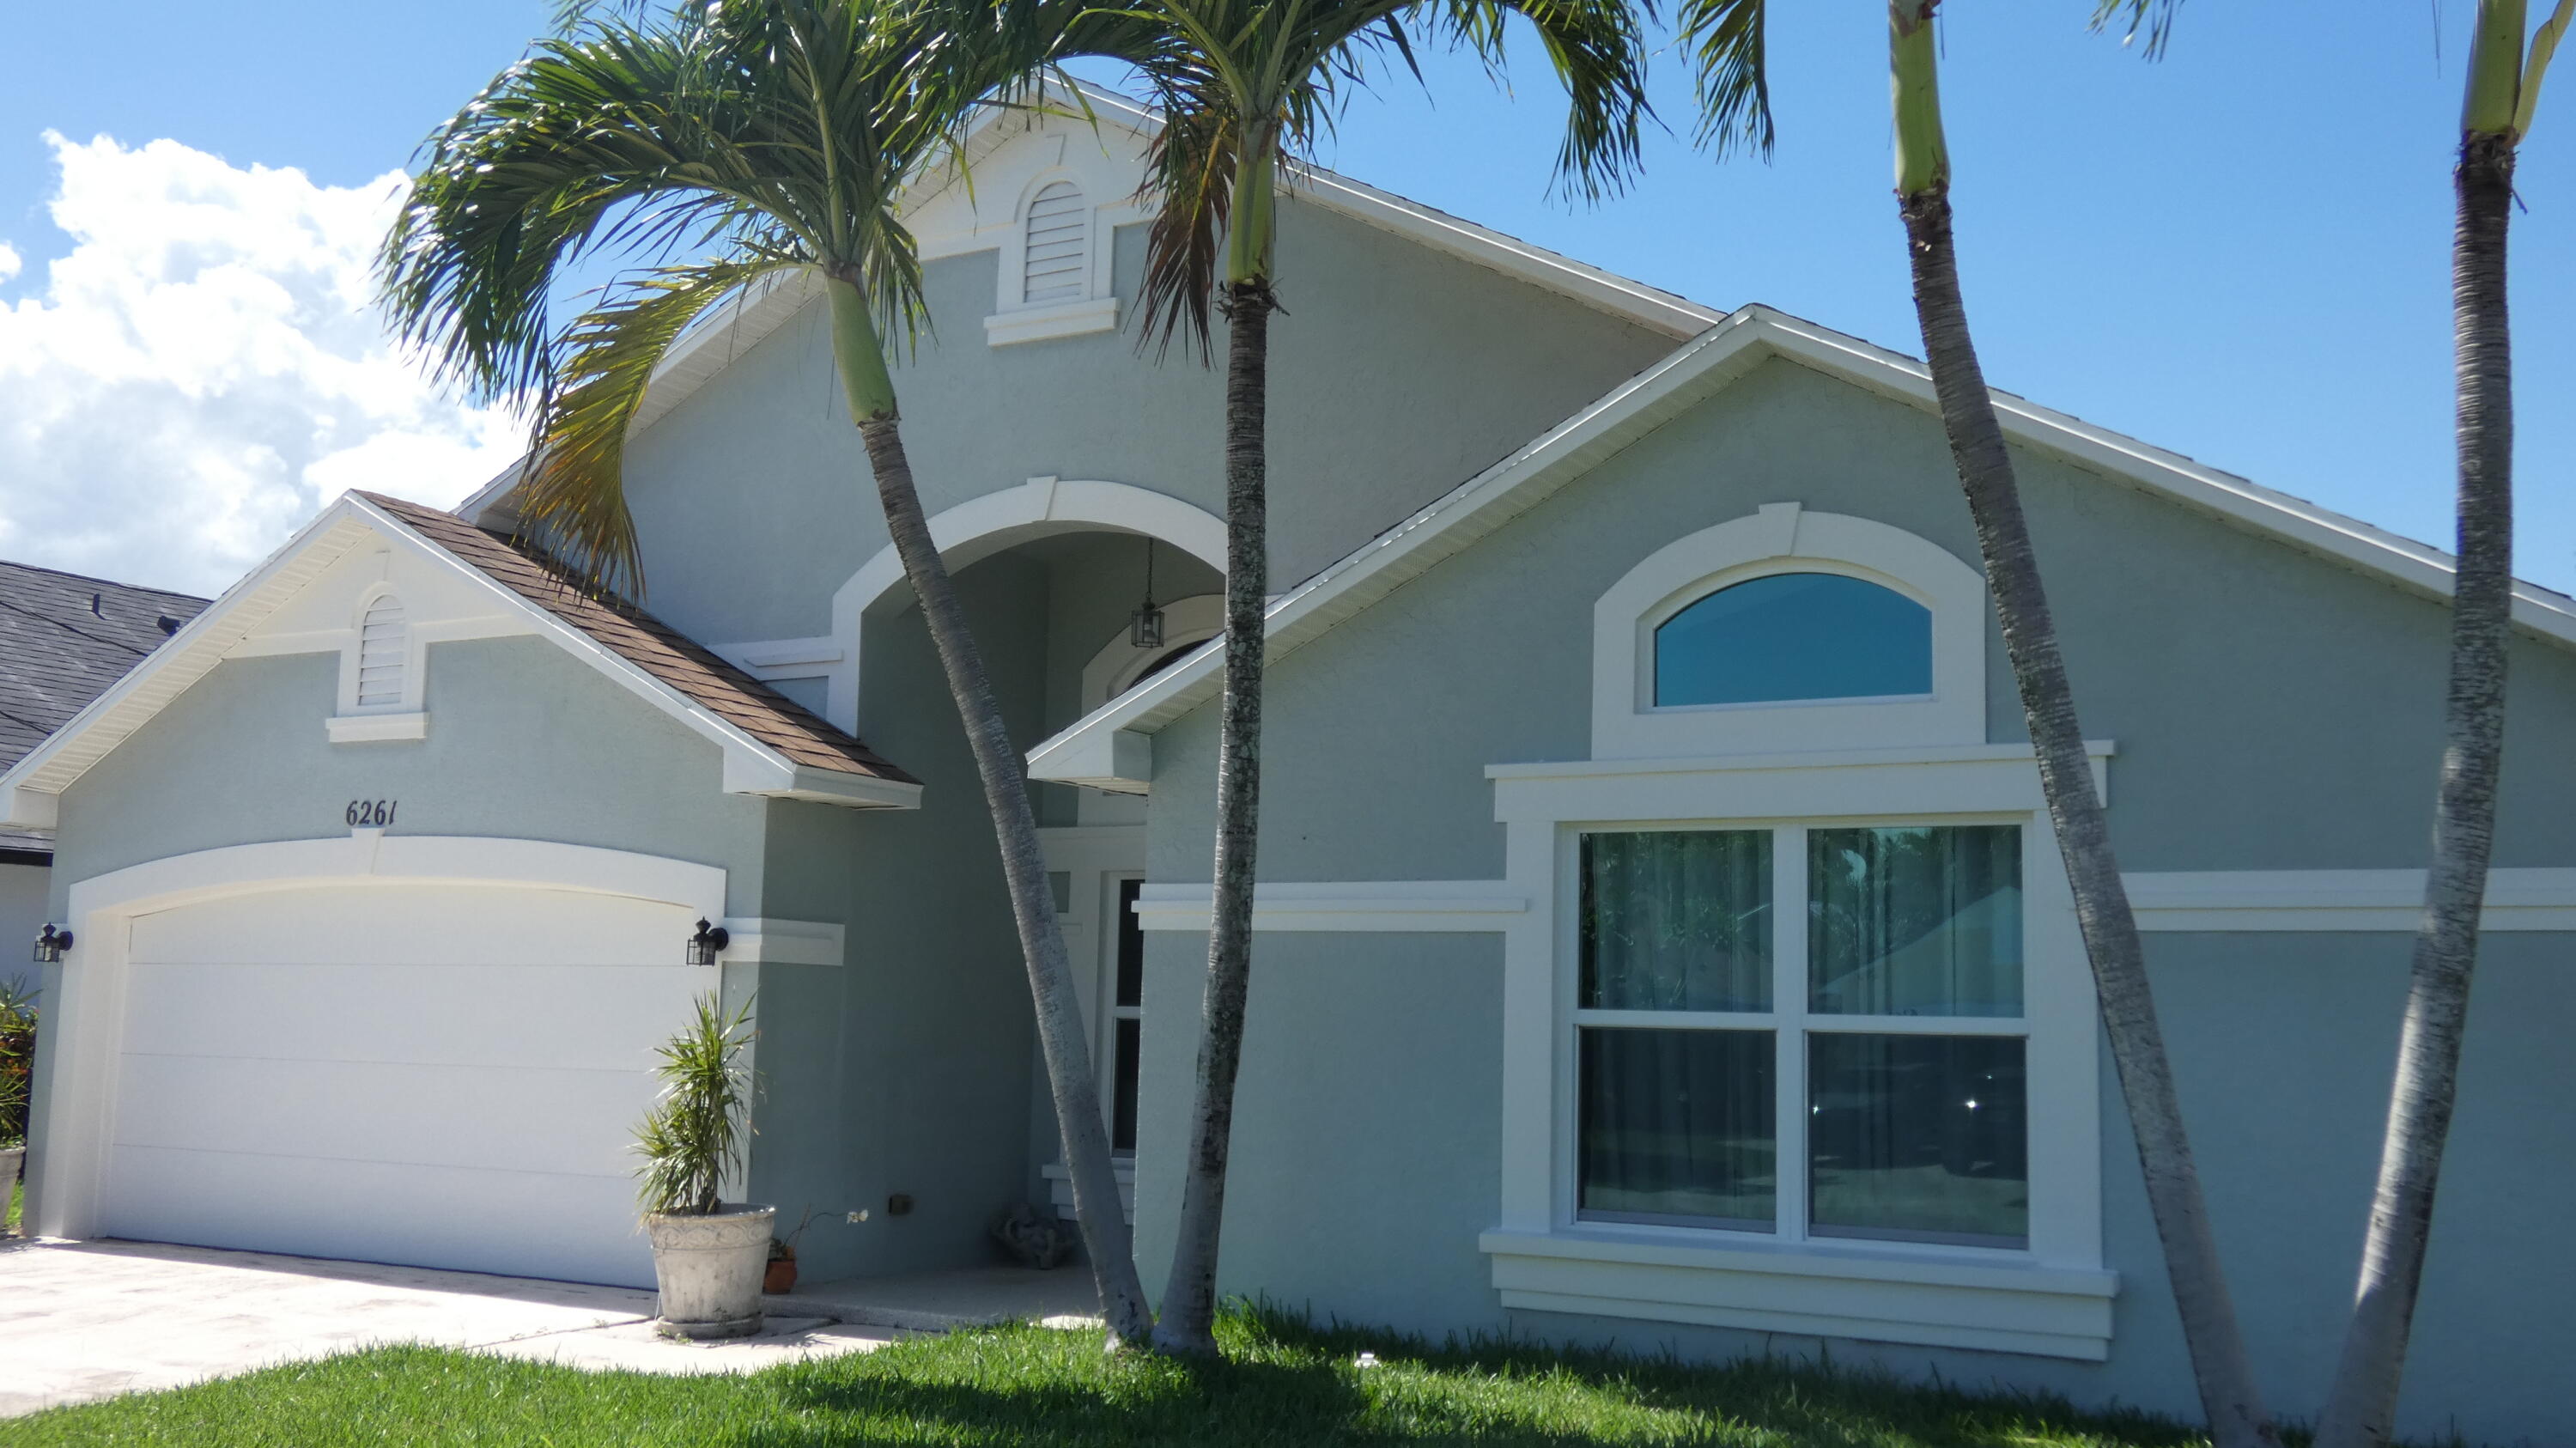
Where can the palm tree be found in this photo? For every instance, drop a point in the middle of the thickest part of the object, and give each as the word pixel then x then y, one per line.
pixel 2503 87
pixel 780 133
pixel 1727 40
pixel 1244 86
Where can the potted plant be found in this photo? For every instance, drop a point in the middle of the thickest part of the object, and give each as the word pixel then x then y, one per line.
pixel 780 1279
pixel 708 1255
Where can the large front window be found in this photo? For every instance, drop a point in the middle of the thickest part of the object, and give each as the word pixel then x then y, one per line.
pixel 1804 1031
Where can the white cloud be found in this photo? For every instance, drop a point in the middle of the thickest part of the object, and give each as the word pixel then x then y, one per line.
pixel 204 371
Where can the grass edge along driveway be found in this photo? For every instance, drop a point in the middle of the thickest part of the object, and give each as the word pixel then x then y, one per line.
pixel 1282 1383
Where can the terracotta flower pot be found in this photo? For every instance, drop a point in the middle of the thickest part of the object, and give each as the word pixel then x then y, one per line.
pixel 781 1278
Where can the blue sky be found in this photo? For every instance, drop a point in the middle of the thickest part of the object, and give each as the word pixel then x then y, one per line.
pixel 2239 253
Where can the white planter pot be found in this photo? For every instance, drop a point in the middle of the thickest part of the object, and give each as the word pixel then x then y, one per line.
pixel 709 1269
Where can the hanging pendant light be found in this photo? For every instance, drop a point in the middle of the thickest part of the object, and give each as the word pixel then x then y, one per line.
pixel 1145 628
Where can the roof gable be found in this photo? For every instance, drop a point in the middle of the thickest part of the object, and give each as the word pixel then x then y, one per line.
pixel 1110 748
pixel 771 745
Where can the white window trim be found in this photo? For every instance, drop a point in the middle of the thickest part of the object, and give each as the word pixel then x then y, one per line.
pixel 1785 538
pixel 2052 1298
pixel 356 723
pixel 1096 858
pixel 1096 310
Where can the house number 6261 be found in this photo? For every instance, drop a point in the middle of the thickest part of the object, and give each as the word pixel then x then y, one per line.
pixel 372 814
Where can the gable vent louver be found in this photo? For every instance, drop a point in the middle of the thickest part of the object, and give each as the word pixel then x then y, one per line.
pixel 384 646
pixel 1057 254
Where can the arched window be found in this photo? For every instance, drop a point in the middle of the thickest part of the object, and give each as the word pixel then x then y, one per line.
pixel 1055 258
pixel 384 654
pixel 1789 631
pixel 1790 637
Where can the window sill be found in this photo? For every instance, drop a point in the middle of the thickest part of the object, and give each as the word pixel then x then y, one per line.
pixel 1043 324
pixel 1811 1290
pixel 371 728
pixel 1060 1188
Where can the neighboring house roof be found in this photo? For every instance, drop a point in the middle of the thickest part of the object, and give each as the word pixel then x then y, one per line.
pixel 64 638
pixel 1106 747
pixel 772 745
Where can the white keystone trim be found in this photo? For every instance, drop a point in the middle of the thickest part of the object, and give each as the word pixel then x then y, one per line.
pixel 1370 905
pixel 78 1100
pixel 376 728
pixel 2335 900
pixel 983 526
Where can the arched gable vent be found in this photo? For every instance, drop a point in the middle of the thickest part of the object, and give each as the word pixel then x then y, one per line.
pixel 384 652
pixel 1056 257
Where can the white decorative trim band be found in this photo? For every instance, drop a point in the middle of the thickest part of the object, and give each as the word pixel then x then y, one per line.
pixel 2362 900
pixel 1369 905
pixel 757 941
pixel 1812 1291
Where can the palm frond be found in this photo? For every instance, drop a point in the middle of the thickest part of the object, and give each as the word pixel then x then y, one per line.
pixel 572 495
pixel 2152 19
pixel 1731 70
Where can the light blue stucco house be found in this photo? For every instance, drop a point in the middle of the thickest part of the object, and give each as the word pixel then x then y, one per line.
pixel 1660 940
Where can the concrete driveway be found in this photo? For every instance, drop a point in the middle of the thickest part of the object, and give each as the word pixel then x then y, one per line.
pixel 87 1320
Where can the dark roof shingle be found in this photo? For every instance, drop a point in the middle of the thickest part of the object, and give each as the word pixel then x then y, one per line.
pixel 648 643
pixel 64 638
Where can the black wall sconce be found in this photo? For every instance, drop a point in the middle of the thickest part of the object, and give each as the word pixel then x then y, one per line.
pixel 703 946
pixel 51 944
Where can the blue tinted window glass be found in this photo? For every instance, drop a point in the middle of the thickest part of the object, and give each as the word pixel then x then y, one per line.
pixel 1794 636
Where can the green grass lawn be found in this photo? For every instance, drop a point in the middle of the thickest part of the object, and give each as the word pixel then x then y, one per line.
pixel 1281 1384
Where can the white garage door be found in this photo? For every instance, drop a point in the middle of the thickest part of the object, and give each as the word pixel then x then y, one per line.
pixel 441 1076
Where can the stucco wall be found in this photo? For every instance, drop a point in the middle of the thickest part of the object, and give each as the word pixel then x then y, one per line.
pixel 2272 711
pixel 24 895
pixel 524 742
pixel 753 498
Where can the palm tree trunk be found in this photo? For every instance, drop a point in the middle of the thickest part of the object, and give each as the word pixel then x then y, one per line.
pixel 1006 792
pixel 1189 1299
pixel 2219 1363
pixel 2362 1409
pixel 859 353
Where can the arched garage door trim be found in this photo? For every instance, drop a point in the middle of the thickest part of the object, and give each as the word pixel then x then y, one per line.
pixel 79 1114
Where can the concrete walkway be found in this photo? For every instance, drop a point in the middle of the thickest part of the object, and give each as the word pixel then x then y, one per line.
pixel 86 1320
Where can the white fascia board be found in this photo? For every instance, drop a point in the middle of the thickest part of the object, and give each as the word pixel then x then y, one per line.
pixel 2322 531
pixel 1439 530
pixel 29 788
pixel 1690 374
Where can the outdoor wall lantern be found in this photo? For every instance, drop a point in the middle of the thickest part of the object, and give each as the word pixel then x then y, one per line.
pixel 703 946
pixel 51 944
pixel 1145 629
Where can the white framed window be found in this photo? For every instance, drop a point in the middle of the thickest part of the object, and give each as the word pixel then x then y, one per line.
pixel 381 666
pixel 1789 630
pixel 1801 1043
pixel 1054 267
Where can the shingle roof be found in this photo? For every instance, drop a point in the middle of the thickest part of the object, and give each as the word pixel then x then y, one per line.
pixel 725 691
pixel 63 639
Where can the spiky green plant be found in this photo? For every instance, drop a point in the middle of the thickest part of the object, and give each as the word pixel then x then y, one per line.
pixel 693 1135
pixel 17 1059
